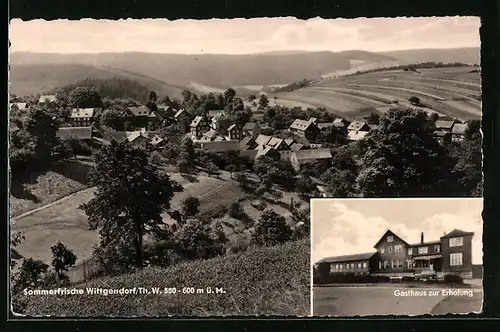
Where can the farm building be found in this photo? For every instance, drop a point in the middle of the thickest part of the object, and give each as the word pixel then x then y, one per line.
pixel 278 144
pixel 251 129
pixel 234 132
pixel 83 133
pixel 268 152
pixel 358 126
pixel 17 106
pixel 356 135
pixel 301 157
pixel 199 125
pixel 81 117
pixel 262 139
pixel 158 142
pixel 222 146
pixel 47 98
pixel 304 128
pixel 140 111
pixel 458 131
pixel 444 125
pixel 451 254
pixel 442 136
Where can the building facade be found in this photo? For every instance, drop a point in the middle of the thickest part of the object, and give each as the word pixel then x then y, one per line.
pixel 451 254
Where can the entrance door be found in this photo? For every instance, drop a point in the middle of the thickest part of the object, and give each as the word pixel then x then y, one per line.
pixel 431 266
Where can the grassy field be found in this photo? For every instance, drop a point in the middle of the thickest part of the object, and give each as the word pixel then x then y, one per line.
pixel 448 91
pixel 261 281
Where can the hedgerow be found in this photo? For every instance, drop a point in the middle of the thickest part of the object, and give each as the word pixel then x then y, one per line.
pixel 262 281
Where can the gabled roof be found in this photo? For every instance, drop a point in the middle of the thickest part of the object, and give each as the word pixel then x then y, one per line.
pixel 441 133
pixel 219 138
pixel 20 106
pixel 133 135
pixel 274 142
pixel 250 126
pixel 262 139
pixel 180 112
pixel 313 154
pixel 289 141
pixel 339 120
pixel 78 132
pixel 296 147
pixel 347 258
pixel 77 113
pixel 302 140
pixel 444 124
pixel 156 140
pixel 356 135
pixel 323 125
pixel 313 120
pixel 153 115
pixel 459 129
pixel 210 134
pixel 264 151
pixel 139 111
pixel 357 125
pixel 456 233
pixel 231 127
pixel 213 113
pixel 301 125
pixel 50 98
pixel 389 232
pixel 218 116
pixel 220 146
pixel 196 121
pixel 246 143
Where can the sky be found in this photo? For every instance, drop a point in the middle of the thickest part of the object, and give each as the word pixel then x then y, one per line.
pixel 343 226
pixel 242 36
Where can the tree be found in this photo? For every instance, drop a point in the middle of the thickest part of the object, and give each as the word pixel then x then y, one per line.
pixel 62 259
pixel 468 167
pixel 414 100
pixel 332 135
pixel 434 117
pixel 473 129
pixel 373 118
pixel 197 240
pixel 277 171
pixel 171 152
pixel 263 101
pixel 190 207
pixel 186 155
pixel 152 97
pixel 111 118
pixel 271 229
pixel 30 274
pixel 85 97
pixel 155 158
pixel 130 198
pixel 240 177
pixel 15 239
pixel 305 185
pixel 212 169
pixel 229 95
pixel 403 160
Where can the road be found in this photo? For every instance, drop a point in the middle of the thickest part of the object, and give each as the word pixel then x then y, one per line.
pixel 381 300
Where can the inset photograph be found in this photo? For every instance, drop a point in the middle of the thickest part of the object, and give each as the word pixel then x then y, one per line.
pixel 396 256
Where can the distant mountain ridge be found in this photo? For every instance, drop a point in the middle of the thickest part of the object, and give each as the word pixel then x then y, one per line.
pixel 169 73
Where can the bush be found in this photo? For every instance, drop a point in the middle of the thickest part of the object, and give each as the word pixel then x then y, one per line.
pixel 261 281
pixel 453 279
pixel 271 229
pixel 236 211
pixel 414 100
pixel 155 158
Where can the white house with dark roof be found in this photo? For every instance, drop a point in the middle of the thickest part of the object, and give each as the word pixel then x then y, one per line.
pixel 234 132
pixel 81 117
pixel 358 126
pixel 305 128
pixel 356 135
pixel 199 126
pixel 139 111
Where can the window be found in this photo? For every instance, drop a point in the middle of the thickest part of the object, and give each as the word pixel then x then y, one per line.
pixel 410 251
pixel 382 250
pixel 398 248
pixel 340 267
pixel 394 264
pixel 332 267
pixel 400 263
pixel 389 249
pixel 348 266
pixel 456 242
pixel 456 259
pixel 390 239
pixel 359 265
pixel 437 248
pixel 364 265
pixel 409 263
pixel 386 264
pixel 423 250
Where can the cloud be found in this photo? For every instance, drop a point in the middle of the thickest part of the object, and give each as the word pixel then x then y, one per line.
pixel 240 36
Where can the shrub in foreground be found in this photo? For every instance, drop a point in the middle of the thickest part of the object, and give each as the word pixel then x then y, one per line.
pixel 453 279
pixel 264 281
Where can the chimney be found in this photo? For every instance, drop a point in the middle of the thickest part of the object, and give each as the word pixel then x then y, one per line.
pixel 422 238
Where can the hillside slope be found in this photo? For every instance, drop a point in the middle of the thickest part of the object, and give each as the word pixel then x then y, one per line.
pixel 261 281
pixel 470 55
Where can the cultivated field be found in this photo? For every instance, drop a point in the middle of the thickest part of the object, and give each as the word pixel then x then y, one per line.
pixel 449 91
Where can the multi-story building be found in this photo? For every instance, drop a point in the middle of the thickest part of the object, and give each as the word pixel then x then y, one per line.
pixel 199 126
pixel 451 254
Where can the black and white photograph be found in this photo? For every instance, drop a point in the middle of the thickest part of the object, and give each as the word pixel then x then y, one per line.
pixel 165 167
pixel 396 256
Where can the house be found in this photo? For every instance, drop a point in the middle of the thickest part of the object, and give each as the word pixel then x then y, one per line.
pixel 341 123
pixel 251 129
pixel 268 151
pixel 301 157
pixel 247 143
pixel 444 125
pixel 83 133
pixel 356 135
pixel 222 146
pixel 297 147
pixel 199 126
pixel 154 120
pixel 47 98
pixel 442 136
pixel 278 144
pixel 313 120
pixel 234 132
pixel 140 111
pixel 158 142
pixel 17 106
pixel 289 141
pixel 358 126
pixel 304 141
pixel 324 125
pixel 183 118
pixel 219 122
pixel 209 136
pixel 451 254
pixel 304 128
pixel 458 132
pixel 81 117
pixel 213 113
pixel 137 138
pixel 262 140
